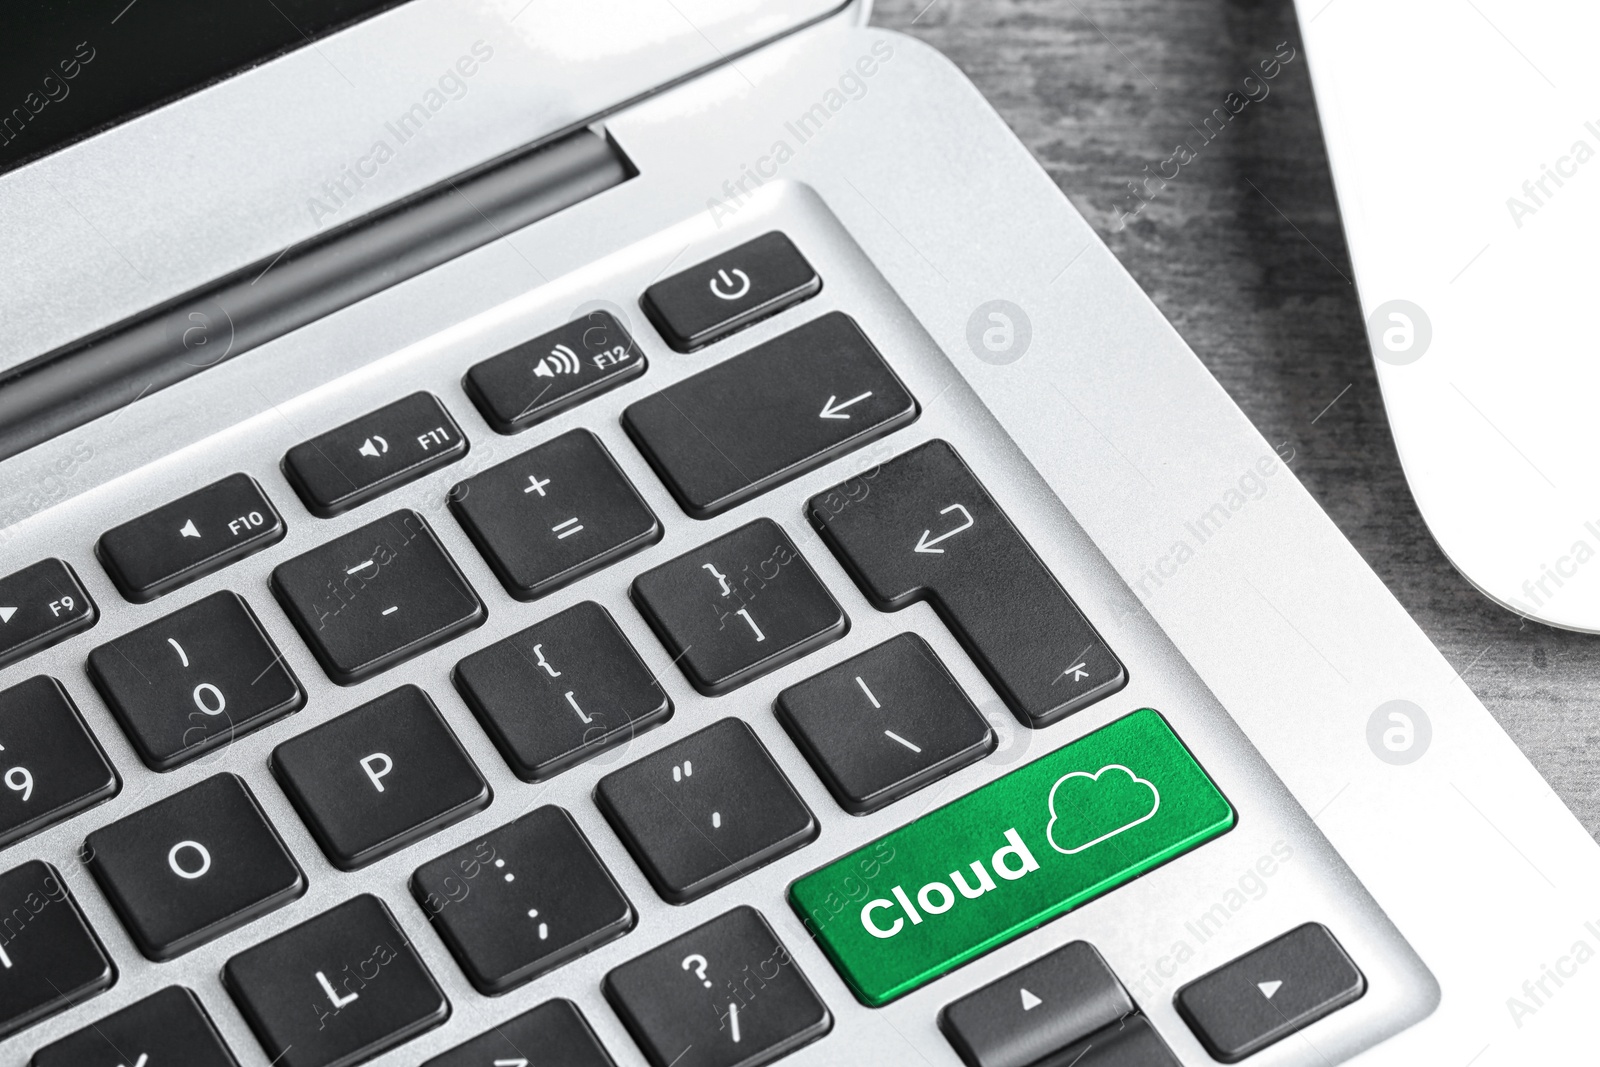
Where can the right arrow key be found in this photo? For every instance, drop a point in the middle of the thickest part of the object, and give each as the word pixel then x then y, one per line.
pixel 769 415
pixel 1270 992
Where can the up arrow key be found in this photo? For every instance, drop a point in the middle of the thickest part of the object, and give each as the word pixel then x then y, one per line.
pixel 1268 988
pixel 832 410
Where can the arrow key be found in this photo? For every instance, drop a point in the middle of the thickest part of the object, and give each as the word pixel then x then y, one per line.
pixel 1044 1006
pixel 769 415
pixel 1270 992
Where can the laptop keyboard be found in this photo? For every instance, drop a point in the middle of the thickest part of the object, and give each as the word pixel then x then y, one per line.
pixel 571 694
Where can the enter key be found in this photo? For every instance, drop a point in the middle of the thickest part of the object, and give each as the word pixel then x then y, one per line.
pixel 1006 858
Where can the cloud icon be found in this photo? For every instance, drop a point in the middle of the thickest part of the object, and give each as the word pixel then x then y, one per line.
pixel 1095 808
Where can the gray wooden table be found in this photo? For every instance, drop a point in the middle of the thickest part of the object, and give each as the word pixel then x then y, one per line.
pixel 1243 252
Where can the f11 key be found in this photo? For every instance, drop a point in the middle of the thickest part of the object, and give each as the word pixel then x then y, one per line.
pixel 369 456
pixel 930 531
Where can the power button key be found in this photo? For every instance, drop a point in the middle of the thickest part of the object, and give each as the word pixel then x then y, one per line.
pixel 743 285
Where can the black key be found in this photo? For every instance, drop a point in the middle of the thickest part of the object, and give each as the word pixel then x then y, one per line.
pixel 192 867
pixel 165 1028
pixel 729 292
pixel 377 596
pixel 553 372
pixel 1270 992
pixel 882 725
pixel 50 764
pixel 560 691
pixel 726 993
pixel 367 457
pixel 769 415
pixel 379 778
pixel 1131 1043
pixel 40 605
pixel 522 900
pixel 336 990
pixel 554 514
pixel 738 607
pixel 926 529
pixel 554 1032
pixel 49 955
pixel 1057 1000
pixel 704 811
pixel 194 680
pixel 189 538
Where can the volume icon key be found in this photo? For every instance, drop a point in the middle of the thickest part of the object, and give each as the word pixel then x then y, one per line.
pixel 561 360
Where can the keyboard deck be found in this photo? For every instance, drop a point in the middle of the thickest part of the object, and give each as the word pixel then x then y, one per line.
pixel 654 670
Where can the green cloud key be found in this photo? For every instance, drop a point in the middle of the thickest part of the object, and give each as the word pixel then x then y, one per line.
pixel 1016 853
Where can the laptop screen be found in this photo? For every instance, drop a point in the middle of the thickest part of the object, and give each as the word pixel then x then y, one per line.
pixel 69 68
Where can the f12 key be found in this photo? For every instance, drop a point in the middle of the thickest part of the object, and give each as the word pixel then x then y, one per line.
pixel 930 531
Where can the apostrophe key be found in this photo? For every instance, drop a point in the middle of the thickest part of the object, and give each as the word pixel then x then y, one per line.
pixel 367 457
pixel 705 810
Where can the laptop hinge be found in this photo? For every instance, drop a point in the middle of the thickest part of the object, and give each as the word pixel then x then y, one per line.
pixel 155 349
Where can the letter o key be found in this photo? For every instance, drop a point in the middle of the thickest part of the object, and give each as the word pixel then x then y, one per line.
pixel 178 869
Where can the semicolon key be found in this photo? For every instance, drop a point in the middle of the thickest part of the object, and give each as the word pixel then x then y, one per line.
pixel 929 530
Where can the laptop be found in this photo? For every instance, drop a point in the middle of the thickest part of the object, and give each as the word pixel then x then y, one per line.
pixel 654 534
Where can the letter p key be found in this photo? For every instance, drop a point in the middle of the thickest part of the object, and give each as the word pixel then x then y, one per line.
pixel 377 767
